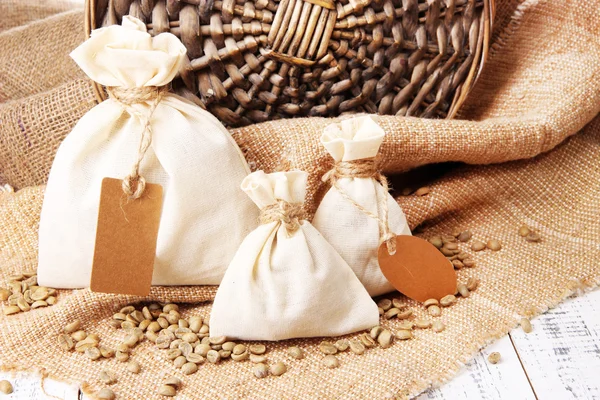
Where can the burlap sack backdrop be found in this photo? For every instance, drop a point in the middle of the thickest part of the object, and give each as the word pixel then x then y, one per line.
pixel 541 85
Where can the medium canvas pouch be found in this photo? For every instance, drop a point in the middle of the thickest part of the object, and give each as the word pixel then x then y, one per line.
pixel 285 280
pixel 357 214
pixel 142 132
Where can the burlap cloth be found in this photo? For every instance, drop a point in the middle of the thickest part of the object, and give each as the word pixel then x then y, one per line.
pixel 540 86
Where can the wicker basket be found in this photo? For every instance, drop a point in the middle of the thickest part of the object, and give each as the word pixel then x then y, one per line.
pixel 252 61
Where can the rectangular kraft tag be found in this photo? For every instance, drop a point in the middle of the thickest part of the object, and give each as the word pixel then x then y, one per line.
pixel 126 239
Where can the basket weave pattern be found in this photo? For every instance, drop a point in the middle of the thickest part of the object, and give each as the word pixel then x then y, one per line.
pixel 253 61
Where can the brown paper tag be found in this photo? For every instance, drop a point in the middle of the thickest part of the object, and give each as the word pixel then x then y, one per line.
pixel 126 239
pixel 417 269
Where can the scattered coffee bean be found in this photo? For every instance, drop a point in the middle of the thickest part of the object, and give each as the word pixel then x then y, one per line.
pixel 494 245
pixel 477 245
pixel 173 381
pixel 213 356
pixel 134 367
pixel 469 263
pixel 132 340
pixel 258 349
pixel 385 339
pixel 462 290
pixel 258 358
pixel 524 231
pixel 85 344
pixel 434 311
pixel 105 394
pixel 447 252
pixel 93 353
pixel 79 335
pixel 39 304
pixel 73 326
pixel 278 369
pixel 451 246
pixel 108 377
pixel 4 294
pixel 472 283
pixel 457 264
pixel 218 340
pixel 195 358
pixel 342 345
pixel 448 300
pixel 170 307
pixel 10 310
pixel 404 334
pixel 106 352
pixel 406 325
pixel 121 356
pixel 331 361
pixel 189 368
pixel 357 347
pixel 438 326
pixel 423 324
pixel 296 352
pixel 405 314
pixel 260 370
pixel 241 357
pixel 6 387
pixel 526 325
pixel 202 349
pixel 224 354
pixel 398 304
pixel 167 391
pixel 367 340
pixel 431 302
pixel 327 348
pixel 180 361
pixel 380 310
pixel 437 242
pixel 465 236
pixel 228 346
pixel 66 342
pixel 391 313
pixel 386 304
pixel 494 357
pixel 239 349
pixel 375 331
pixel 533 237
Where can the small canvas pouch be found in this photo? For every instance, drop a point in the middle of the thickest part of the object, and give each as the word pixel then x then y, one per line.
pixel 285 280
pixel 357 214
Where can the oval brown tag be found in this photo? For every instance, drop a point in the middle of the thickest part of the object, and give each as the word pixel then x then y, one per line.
pixel 417 269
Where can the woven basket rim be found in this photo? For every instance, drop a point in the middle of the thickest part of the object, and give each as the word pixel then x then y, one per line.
pixel 462 91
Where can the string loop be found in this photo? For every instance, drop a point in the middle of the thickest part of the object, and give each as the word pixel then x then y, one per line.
pixel 134 184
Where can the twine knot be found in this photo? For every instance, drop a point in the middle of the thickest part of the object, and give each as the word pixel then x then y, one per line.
pixel 289 214
pixel 135 95
pixel 365 168
pixel 134 184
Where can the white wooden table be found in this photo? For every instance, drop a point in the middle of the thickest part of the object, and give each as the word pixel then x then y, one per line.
pixel 559 360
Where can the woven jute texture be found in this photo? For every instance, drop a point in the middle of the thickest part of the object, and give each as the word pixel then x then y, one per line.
pixel 17 12
pixel 541 86
pixel 35 57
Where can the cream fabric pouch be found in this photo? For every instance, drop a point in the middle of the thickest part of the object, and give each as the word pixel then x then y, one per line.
pixel 357 214
pixel 190 153
pixel 285 280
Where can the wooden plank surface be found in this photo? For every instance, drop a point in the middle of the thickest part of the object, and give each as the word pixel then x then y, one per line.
pixel 480 380
pixel 559 360
pixel 562 354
